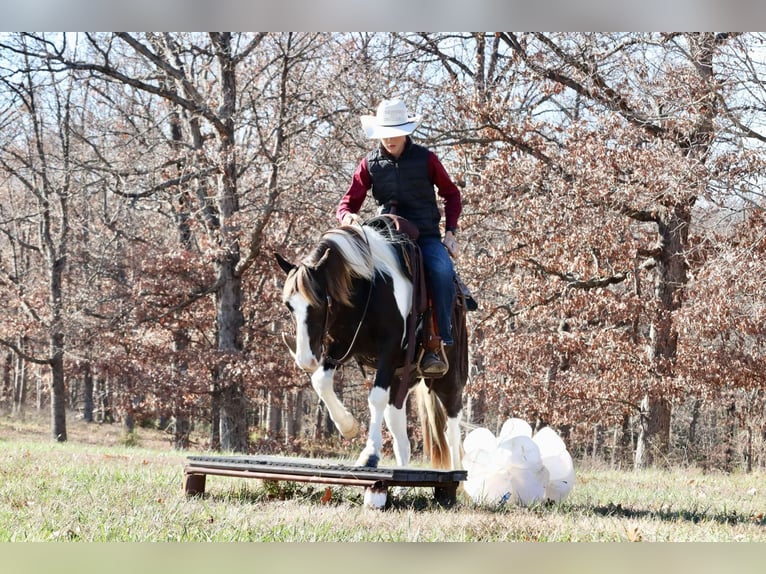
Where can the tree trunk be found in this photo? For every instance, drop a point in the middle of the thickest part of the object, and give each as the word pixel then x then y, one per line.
pixel 87 394
pixel 319 421
pixel 692 446
pixel 104 400
pixel 598 442
pixel 730 439
pixel 654 437
pixel 20 381
pixel 181 423
pixel 625 449
pixel 181 431
pixel 215 417
pixel 58 386
pixel 274 416
pixel 294 413
pixel 39 393
pixel 181 338
pixel 673 223
pixel 233 422
pixel 7 384
pixel 476 408
pixel 230 320
pixel 233 411
pixel 128 423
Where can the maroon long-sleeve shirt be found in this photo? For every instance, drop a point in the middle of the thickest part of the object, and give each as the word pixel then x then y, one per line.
pixel 361 183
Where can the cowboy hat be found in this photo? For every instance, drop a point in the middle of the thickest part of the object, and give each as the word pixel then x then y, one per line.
pixel 391 120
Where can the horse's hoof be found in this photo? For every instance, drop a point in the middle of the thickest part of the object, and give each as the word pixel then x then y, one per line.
pixel 445 496
pixel 375 497
pixel 370 461
pixel 351 432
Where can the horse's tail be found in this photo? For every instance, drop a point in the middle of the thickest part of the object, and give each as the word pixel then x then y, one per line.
pixel 433 420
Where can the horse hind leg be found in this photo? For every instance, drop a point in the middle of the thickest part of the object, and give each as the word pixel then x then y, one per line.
pixel 453 441
pixel 396 421
pixel 345 422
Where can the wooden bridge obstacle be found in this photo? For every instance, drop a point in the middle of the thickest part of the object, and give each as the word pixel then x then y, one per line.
pixel 376 481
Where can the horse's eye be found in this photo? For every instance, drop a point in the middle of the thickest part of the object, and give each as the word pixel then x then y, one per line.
pixel 289 307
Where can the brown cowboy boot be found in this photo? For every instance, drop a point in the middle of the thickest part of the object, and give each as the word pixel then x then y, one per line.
pixel 433 360
pixel 432 365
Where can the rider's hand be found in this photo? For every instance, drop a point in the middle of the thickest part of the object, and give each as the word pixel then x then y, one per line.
pixel 351 219
pixel 451 244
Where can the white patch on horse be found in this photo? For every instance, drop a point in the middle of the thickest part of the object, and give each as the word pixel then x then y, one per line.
pixel 304 357
pixel 396 421
pixel 377 401
pixel 322 380
pixel 358 259
pixel 453 440
pixel 386 261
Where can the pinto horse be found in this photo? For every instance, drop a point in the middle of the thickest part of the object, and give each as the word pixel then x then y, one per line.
pixel 350 299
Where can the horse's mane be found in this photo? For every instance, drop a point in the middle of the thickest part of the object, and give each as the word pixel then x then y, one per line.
pixel 346 253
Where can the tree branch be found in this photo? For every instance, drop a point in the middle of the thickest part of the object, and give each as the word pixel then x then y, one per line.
pixel 23 354
pixel 573 282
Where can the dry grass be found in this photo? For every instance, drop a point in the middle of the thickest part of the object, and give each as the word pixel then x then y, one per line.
pixel 94 488
pixel 34 426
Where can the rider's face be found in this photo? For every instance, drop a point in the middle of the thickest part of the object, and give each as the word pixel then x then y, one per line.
pixel 394 145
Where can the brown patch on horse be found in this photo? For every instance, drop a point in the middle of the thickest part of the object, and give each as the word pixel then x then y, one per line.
pixel 301 280
pixel 328 259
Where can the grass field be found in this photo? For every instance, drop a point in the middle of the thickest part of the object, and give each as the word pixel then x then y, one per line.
pixel 93 488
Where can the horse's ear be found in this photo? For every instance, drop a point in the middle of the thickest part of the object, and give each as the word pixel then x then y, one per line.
pixel 284 263
pixel 323 259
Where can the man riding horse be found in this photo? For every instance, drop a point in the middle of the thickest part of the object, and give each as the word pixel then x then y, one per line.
pixel 402 176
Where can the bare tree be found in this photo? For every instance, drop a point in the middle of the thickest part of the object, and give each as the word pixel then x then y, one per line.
pixel 39 162
pixel 209 98
pixel 589 154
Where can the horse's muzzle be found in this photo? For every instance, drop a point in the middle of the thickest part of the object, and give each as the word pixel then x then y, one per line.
pixel 309 366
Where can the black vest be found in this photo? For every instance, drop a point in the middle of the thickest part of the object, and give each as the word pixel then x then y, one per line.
pixel 402 186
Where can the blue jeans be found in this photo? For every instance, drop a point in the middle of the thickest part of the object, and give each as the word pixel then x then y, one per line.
pixel 440 278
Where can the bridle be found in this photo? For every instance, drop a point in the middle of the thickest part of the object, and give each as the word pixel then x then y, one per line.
pixel 325 342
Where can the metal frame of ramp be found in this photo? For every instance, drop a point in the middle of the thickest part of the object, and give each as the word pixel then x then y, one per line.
pixel 445 482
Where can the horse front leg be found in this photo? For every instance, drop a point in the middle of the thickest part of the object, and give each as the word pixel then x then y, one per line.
pixel 322 381
pixel 396 421
pixel 377 401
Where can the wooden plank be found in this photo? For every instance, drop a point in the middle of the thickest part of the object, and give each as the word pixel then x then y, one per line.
pixel 318 468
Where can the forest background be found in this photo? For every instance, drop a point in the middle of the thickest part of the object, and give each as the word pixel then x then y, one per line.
pixel 612 229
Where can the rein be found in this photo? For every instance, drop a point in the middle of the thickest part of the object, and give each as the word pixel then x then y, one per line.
pixel 356 333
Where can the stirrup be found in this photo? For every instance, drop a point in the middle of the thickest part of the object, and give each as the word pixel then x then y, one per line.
pixel 441 354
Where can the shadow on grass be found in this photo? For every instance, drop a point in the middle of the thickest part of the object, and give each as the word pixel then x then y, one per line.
pixel 415 498
pixel 422 499
pixel 694 516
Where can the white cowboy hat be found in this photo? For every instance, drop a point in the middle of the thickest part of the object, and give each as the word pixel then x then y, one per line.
pixel 391 120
